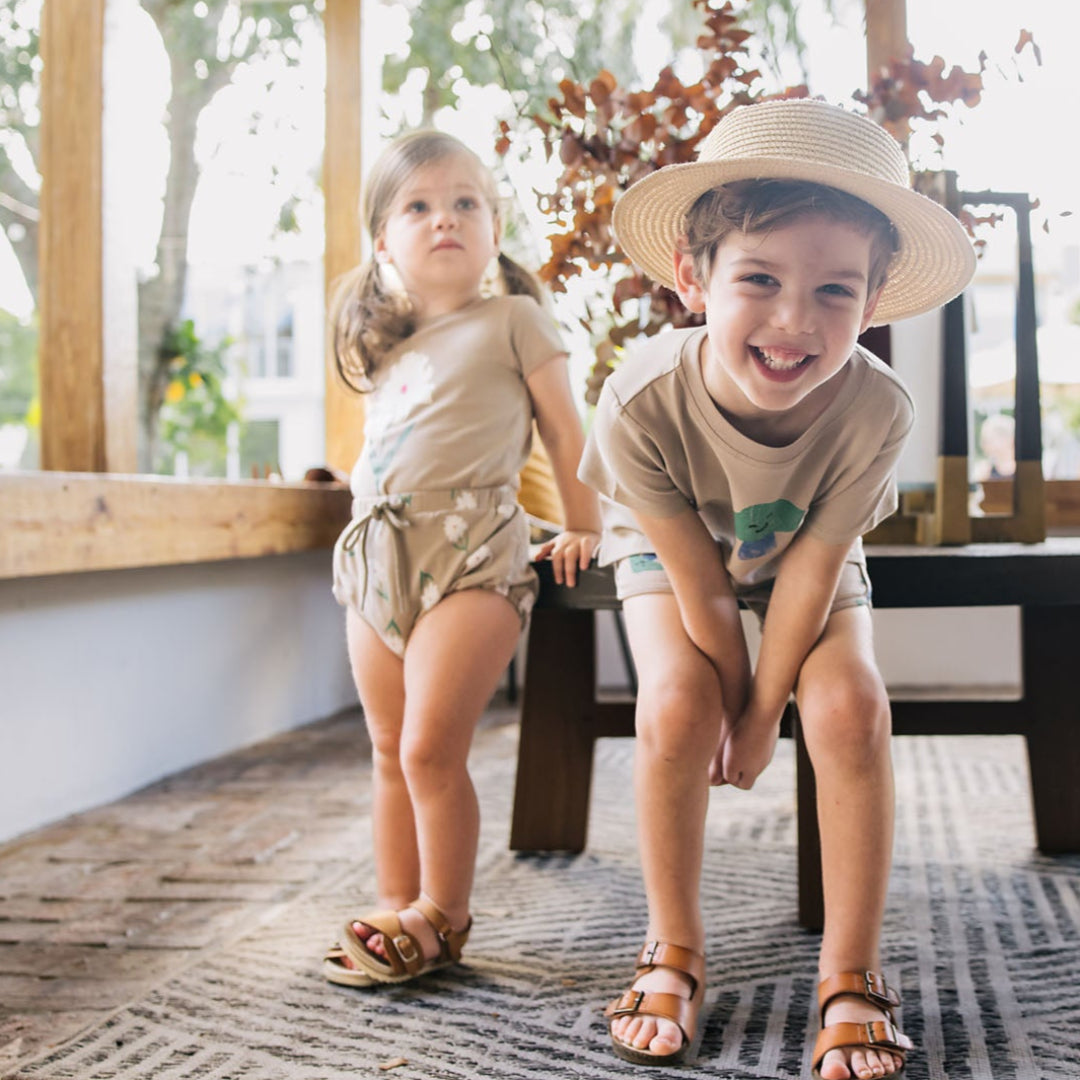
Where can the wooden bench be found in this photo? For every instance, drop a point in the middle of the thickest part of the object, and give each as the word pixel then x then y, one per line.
pixel 562 714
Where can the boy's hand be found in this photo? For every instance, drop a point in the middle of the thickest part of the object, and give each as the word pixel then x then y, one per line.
pixel 570 551
pixel 747 750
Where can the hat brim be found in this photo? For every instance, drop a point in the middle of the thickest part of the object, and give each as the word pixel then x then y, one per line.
pixel 934 263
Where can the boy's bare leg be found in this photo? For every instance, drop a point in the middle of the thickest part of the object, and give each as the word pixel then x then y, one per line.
pixel 844 710
pixel 678 728
pixel 455 656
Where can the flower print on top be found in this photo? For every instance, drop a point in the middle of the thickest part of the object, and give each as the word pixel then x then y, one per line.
pixel 400 391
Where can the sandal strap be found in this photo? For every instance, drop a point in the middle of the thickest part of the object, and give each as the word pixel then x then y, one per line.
pixel 678 1010
pixel 656 954
pixel 403 952
pixel 451 941
pixel 870 985
pixel 872 1035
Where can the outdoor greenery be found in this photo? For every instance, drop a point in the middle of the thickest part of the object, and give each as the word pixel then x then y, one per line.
pixel 196 413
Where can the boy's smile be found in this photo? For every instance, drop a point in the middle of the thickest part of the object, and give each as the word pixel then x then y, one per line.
pixel 783 310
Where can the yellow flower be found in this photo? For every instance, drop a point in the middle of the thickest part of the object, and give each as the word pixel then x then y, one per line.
pixel 174 392
pixel 195 379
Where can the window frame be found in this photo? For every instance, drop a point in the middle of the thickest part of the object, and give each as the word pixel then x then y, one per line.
pixel 86 509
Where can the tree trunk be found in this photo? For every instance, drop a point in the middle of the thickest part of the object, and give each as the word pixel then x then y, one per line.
pixel 161 297
pixel 19 211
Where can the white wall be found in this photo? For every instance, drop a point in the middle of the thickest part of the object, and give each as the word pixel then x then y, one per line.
pixel 111 680
pixel 972 652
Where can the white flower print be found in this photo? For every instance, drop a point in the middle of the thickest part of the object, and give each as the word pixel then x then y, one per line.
pixel 393 639
pixel 506 510
pixel 399 390
pixel 478 557
pixel 465 500
pixel 456 529
pixel 429 595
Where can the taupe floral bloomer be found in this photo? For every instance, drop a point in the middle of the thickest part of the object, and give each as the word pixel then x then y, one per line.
pixel 401 554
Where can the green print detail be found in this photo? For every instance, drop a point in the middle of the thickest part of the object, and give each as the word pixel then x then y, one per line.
pixel 642 564
pixel 756 526
pixel 380 455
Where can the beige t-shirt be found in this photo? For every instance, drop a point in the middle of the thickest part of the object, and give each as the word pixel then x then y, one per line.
pixel 450 408
pixel 659 445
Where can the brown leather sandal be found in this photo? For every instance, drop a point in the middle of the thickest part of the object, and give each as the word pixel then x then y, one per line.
pixel 404 958
pixel 679 1010
pixel 335 969
pixel 874 1034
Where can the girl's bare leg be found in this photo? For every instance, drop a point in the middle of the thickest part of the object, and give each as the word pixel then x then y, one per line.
pixel 678 723
pixel 453 661
pixel 844 711
pixel 380 681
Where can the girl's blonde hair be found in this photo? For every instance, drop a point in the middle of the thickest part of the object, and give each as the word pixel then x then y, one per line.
pixel 369 318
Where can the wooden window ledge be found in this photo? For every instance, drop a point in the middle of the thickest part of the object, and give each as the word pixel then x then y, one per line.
pixel 59 523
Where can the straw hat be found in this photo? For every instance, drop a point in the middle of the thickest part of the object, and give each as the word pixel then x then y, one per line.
pixel 801 139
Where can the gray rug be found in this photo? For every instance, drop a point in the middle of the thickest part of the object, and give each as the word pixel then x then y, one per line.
pixel 982 933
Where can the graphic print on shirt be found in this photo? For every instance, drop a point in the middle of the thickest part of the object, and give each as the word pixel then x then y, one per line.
pixel 756 526
pixel 401 390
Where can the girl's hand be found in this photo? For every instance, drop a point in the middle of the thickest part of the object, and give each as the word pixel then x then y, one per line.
pixel 570 551
pixel 747 750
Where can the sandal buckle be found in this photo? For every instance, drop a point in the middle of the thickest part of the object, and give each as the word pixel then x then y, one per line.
pixel 877 989
pixel 888 1033
pixel 406 948
pixel 630 1003
pixel 648 953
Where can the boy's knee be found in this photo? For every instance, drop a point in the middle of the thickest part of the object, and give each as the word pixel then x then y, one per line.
pixel 677 714
pixel 847 718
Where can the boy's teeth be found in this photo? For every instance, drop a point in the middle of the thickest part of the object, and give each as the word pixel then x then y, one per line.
pixel 781 360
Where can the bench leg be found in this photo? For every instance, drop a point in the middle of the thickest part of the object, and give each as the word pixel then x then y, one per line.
pixel 555 754
pixel 1050 638
pixel 811 896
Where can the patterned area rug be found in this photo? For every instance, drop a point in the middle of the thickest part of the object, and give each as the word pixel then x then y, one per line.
pixel 982 933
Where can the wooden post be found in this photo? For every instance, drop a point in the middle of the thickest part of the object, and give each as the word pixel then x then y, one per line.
pixel 341 186
pixel 886 36
pixel 71 342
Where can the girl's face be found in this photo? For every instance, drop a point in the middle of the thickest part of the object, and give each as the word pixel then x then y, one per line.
pixel 783 311
pixel 440 234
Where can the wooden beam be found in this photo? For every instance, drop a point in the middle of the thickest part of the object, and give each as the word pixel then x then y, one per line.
pixel 342 177
pixel 58 523
pixel 71 350
pixel 886 36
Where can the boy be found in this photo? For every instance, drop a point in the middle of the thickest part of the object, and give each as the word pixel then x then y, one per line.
pixel 744 460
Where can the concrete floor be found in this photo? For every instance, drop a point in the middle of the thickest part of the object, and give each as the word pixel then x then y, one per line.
pixel 100 907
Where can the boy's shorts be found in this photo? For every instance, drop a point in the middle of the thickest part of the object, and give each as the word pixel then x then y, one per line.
pixel 638 575
pixel 401 554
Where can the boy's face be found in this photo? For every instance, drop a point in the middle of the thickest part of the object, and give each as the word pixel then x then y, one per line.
pixel 783 310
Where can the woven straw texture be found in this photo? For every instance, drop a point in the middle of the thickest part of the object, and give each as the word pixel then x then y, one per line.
pixel 806 140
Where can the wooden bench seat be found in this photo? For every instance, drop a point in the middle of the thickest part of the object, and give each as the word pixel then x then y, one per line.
pixel 562 713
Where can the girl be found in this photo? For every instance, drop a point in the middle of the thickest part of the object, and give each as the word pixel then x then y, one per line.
pixel 434 567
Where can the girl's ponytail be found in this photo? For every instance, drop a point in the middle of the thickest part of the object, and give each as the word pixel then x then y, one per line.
pixel 518 281
pixel 367 320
